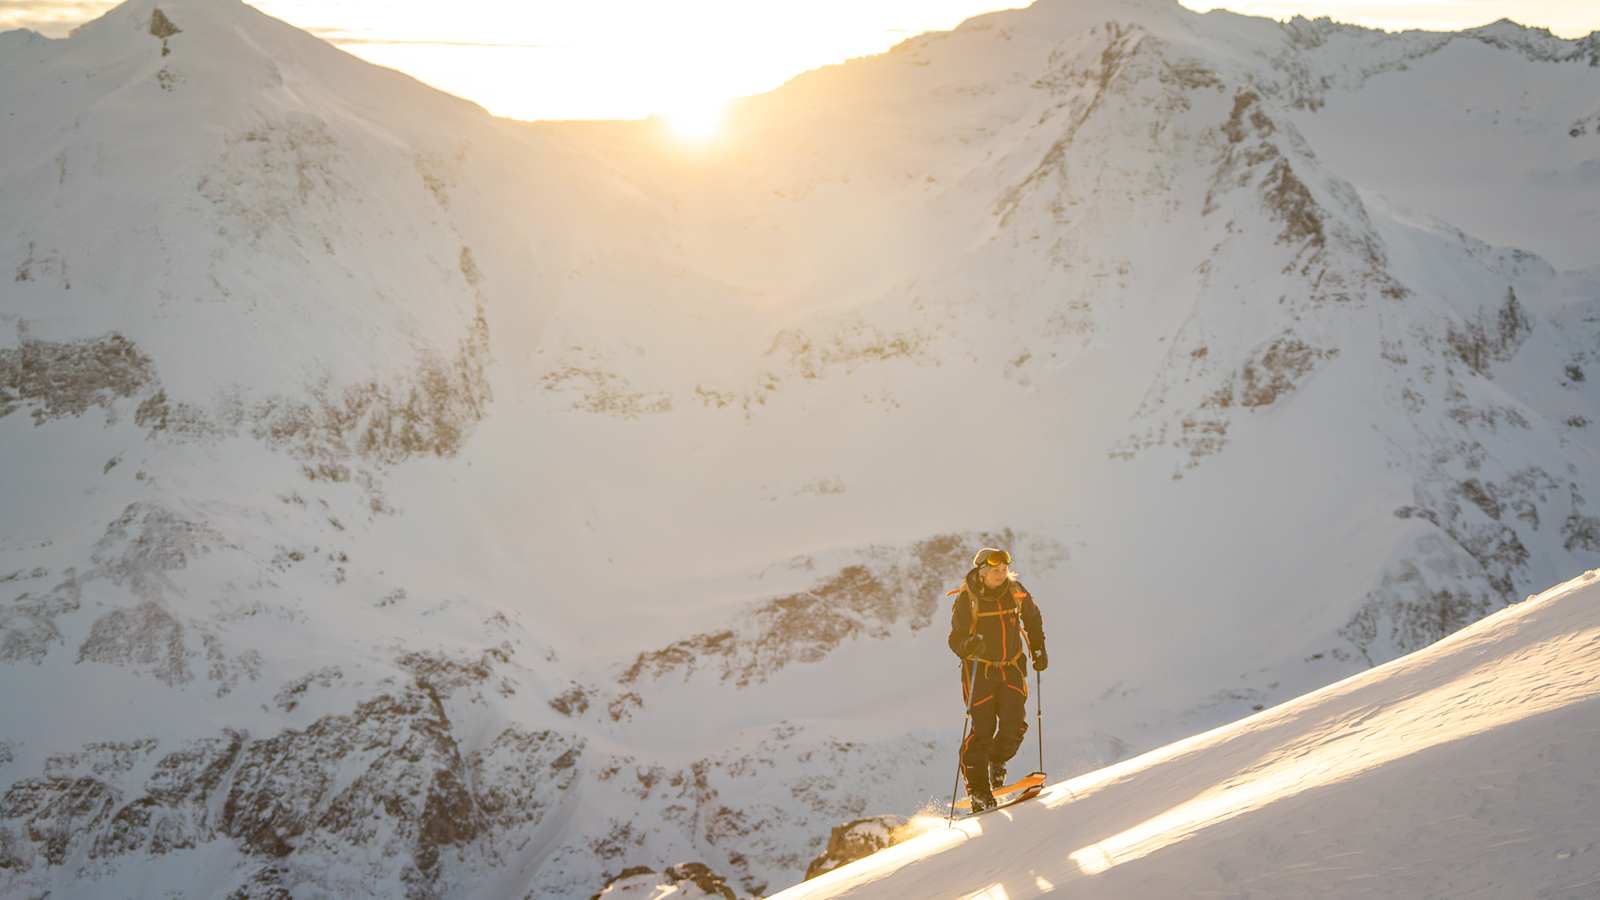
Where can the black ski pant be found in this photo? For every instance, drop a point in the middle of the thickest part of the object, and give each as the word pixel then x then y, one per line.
pixel 999 707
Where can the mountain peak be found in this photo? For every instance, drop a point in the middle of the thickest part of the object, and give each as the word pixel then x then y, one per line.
pixel 1102 10
pixel 1535 42
pixel 226 58
pixel 1508 26
pixel 1112 6
pixel 164 18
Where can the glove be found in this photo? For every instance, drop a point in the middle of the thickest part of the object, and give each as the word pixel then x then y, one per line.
pixel 973 646
pixel 1041 660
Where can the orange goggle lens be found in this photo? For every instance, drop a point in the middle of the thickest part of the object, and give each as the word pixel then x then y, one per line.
pixel 997 558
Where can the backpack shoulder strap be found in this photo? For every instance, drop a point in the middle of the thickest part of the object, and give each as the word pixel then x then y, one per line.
pixel 972 602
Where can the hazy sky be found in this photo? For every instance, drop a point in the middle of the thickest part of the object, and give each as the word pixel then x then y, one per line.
pixel 537 59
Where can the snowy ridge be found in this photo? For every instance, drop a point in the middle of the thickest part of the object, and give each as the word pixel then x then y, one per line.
pixel 1460 768
pixel 400 500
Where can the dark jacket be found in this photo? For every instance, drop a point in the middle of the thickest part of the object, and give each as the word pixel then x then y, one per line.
pixel 1001 615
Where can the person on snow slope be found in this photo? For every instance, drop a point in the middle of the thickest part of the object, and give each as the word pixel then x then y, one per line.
pixel 987 620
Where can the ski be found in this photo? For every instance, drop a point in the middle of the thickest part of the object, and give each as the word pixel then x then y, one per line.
pixel 1025 789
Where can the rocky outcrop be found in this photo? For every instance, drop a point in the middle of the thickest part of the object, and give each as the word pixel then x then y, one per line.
pixel 1535 44
pixel 148 542
pixel 289 698
pixel 28 628
pixel 1252 155
pixel 1487 339
pixel 384 788
pixel 691 881
pixel 868 599
pixel 140 551
pixel 1305 84
pixel 756 812
pixel 142 638
pixel 845 346
pixel 163 27
pixel 1269 374
pixel 57 379
pixel 1276 369
pixel 606 393
pixel 445 675
pixel 407 805
pixel 1092 78
pixel 856 840
pixel 428 412
pixel 1467 567
pixel 384 422
pixel 175 811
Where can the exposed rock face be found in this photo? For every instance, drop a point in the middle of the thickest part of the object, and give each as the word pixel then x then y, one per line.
pixel 383 422
pixel 139 551
pixel 409 805
pixel 380 789
pixel 855 840
pixel 1465 570
pixel 687 880
pixel 49 814
pixel 143 638
pixel 1276 369
pixel 606 393
pixel 428 411
pixel 867 599
pixel 65 378
pixel 28 628
pixel 161 26
pixel 1488 339
pixel 325 677
pixel 176 810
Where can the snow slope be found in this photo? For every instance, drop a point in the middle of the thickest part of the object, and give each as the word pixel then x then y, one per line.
pixel 1461 770
pixel 401 500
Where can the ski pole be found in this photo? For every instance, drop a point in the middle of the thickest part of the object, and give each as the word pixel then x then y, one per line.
pixel 1038 712
pixel 966 696
pixel 956 784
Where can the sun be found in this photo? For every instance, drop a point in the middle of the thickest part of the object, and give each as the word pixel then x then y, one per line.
pixel 697 121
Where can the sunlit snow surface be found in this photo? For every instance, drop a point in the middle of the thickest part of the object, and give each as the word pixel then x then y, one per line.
pixel 1466 769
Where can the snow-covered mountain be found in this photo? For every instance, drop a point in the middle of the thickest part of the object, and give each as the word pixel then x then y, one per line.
pixel 401 500
pixel 1459 770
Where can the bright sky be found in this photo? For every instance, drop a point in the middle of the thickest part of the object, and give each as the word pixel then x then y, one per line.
pixel 632 58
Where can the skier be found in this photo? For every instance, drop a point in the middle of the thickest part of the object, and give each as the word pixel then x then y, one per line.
pixel 990 612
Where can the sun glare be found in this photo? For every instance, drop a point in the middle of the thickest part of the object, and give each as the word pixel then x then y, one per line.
pixel 697 121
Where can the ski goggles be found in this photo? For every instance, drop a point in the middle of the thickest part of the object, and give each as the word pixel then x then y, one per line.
pixel 991 557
